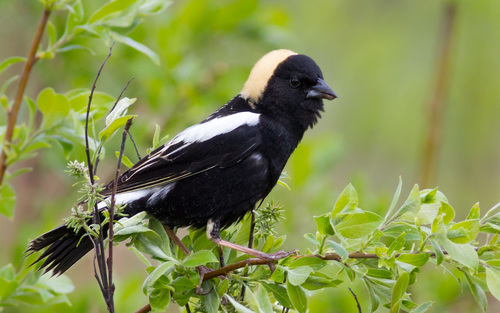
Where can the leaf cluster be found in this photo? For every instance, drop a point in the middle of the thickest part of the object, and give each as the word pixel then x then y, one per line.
pixel 350 244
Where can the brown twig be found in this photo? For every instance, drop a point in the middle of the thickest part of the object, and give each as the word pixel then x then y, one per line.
pixel 357 301
pixel 111 209
pixel 437 104
pixel 13 112
pixel 144 309
pixel 102 278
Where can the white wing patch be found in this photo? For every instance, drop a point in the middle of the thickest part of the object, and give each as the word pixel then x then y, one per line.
pixel 203 132
pixel 127 197
pixel 217 126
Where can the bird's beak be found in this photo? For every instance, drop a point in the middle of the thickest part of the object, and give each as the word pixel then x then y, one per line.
pixel 321 91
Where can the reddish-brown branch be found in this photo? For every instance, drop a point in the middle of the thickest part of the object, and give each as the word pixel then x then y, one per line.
pixel 223 271
pixel 13 112
pixel 437 104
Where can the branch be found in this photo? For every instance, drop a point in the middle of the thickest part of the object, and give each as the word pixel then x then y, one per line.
pixel 356 298
pixel 223 271
pixel 437 104
pixel 14 111
pixel 98 242
pixel 111 210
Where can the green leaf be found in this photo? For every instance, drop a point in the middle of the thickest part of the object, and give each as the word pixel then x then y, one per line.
pixel 223 287
pixel 438 251
pixel 110 9
pixel 475 212
pixel 493 281
pixel 477 291
pixel 156 137
pixel 119 110
pixel 464 232
pixel 344 255
pixel 374 299
pixel 357 225
pixel 423 307
pixel 298 275
pixel 399 291
pixel 324 224
pixel 397 243
pixel 297 296
pixel 211 300
pixel 395 199
pixel 278 274
pixel 7 200
pixel 347 201
pixel 238 306
pixel 151 243
pixel 52 32
pixel 200 258
pixel 9 61
pixel 137 46
pixel 462 253
pixel 57 284
pixel 428 195
pixel 280 294
pixel 111 129
pixel 181 284
pixel 162 269
pixel 412 203
pixel 125 160
pixel 320 281
pixel 54 107
pixel 417 260
pixel 313 262
pixel 259 300
pixel 311 238
pixel 159 299
pixel 268 244
pixel 448 212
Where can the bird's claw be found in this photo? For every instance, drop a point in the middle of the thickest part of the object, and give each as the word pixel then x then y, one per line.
pixel 202 270
pixel 279 255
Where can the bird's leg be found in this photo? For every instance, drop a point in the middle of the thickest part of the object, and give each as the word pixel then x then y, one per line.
pixel 213 233
pixel 176 239
pixel 202 270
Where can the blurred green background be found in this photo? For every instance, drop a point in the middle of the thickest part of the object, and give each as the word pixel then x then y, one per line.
pixel 379 56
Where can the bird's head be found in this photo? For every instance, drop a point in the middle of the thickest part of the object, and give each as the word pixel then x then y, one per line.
pixel 287 86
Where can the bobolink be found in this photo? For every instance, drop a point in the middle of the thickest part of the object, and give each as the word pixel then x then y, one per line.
pixel 213 173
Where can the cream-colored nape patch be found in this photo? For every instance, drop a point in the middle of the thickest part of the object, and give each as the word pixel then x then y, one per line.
pixel 262 72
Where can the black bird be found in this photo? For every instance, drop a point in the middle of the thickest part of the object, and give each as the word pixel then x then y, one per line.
pixel 213 173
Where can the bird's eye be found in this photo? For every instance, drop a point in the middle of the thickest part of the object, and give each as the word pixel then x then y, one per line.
pixel 294 82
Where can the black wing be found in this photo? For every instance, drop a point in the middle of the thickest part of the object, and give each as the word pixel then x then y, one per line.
pixel 178 159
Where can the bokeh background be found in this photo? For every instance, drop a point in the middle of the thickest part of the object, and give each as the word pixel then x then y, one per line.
pixel 381 57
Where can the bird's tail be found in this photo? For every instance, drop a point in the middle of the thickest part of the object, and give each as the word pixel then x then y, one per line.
pixel 64 248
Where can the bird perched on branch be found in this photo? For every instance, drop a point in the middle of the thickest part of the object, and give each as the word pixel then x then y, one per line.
pixel 211 174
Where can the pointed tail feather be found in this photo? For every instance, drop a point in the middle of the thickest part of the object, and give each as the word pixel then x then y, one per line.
pixel 64 248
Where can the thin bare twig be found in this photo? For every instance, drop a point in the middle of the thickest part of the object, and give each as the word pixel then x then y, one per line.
pixel 87 148
pixel 356 298
pixel 121 93
pixel 96 219
pixel 437 104
pixel 13 112
pixel 135 146
pixel 111 210
pixel 144 309
pixel 250 245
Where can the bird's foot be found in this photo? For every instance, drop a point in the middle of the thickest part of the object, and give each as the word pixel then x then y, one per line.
pixel 278 255
pixel 202 270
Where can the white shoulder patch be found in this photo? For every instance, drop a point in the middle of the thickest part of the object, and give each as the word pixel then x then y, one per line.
pixel 262 72
pixel 217 126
